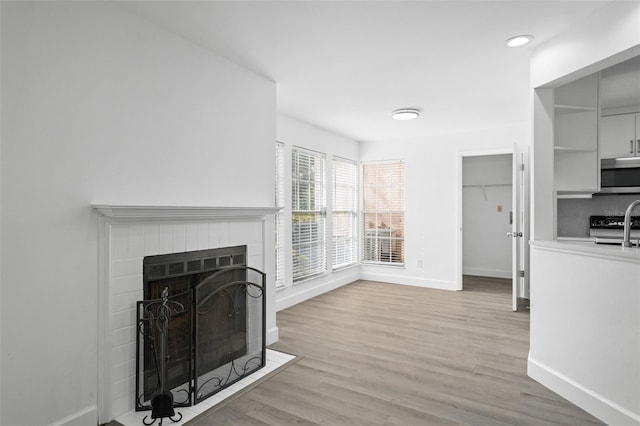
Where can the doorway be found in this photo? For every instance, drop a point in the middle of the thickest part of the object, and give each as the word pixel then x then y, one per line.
pixel 491 238
pixel 487 215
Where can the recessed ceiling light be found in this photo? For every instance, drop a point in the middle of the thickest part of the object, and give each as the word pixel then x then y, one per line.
pixel 518 41
pixel 405 114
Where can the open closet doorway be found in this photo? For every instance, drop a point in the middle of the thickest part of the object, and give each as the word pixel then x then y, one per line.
pixel 490 219
pixel 486 215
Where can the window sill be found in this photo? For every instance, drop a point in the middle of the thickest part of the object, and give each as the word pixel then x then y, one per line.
pixel 309 278
pixel 321 275
pixel 385 265
pixel 345 267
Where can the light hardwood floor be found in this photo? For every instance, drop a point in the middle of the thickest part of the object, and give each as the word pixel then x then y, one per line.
pixel 383 354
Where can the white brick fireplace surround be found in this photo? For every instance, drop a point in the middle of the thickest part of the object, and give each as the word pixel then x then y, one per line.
pixel 129 233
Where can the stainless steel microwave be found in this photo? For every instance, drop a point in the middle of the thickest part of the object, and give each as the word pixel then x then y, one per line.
pixel 620 175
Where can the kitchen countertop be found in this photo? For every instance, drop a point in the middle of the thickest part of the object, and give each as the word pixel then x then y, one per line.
pixel 586 246
pixel 583 239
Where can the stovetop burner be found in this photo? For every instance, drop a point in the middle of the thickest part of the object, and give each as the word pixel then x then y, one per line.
pixel 609 229
pixel 612 222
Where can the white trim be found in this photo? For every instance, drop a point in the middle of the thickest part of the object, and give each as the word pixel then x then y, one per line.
pixel 286 301
pixel 273 335
pixel 482 153
pixel 590 401
pixel 410 281
pixel 83 417
pixel 181 212
pixel 484 272
pixel 104 307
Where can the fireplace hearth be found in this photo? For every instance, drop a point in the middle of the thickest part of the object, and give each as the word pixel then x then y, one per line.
pixel 211 306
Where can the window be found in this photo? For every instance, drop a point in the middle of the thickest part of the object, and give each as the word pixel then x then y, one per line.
pixel 345 212
pixel 279 202
pixel 308 214
pixel 383 208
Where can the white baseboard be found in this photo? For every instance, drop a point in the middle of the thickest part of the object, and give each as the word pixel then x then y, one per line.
pixel 85 417
pixel 296 294
pixel 486 272
pixel 305 291
pixel 273 335
pixel 416 282
pixel 590 401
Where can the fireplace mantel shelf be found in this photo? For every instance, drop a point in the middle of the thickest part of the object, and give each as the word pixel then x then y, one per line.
pixel 181 212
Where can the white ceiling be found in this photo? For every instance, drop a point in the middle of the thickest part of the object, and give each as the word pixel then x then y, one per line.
pixel 345 65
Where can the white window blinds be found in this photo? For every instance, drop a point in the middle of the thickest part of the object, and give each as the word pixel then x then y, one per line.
pixel 383 209
pixel 345 212
pixel 308 214
pixel 279 202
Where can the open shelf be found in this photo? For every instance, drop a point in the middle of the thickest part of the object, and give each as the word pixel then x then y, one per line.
pixel 574 149
pixel 575 131
pixel 569 109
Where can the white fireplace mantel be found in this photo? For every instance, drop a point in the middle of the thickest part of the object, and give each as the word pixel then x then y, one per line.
pixel 181 212
pixel 126 233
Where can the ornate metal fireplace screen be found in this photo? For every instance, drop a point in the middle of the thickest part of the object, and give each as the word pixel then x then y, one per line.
pixel 210 326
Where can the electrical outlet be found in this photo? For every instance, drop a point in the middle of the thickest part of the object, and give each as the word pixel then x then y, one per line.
pixel 499 209
pixel 420 263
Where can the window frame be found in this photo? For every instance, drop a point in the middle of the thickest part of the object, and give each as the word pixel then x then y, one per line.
pixel 309 240
pixel 350 189
pixel 279 217
pixel 394 246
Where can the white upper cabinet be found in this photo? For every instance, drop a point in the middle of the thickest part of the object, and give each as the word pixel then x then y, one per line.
pixel 620 136
pixel 620 110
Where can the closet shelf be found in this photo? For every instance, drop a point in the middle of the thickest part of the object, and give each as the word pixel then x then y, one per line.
pixel 486 185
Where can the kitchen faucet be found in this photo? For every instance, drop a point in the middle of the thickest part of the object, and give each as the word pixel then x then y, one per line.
pixel 626 240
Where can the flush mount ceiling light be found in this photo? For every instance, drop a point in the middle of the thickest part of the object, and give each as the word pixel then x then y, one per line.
pixel 405 114
pixel 518 41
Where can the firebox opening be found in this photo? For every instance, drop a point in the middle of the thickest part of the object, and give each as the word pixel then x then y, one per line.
pixel 215 334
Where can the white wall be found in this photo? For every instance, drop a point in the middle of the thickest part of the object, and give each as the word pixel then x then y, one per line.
pixel 99 106
pixel 609 31
pixel 431 198
pixel 487 185
pixel 291 133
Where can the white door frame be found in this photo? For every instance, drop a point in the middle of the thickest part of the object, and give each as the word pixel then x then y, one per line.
pixel 461 156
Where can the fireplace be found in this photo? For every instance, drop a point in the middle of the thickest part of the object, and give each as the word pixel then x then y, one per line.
pixel 213 306
pixel 129 233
